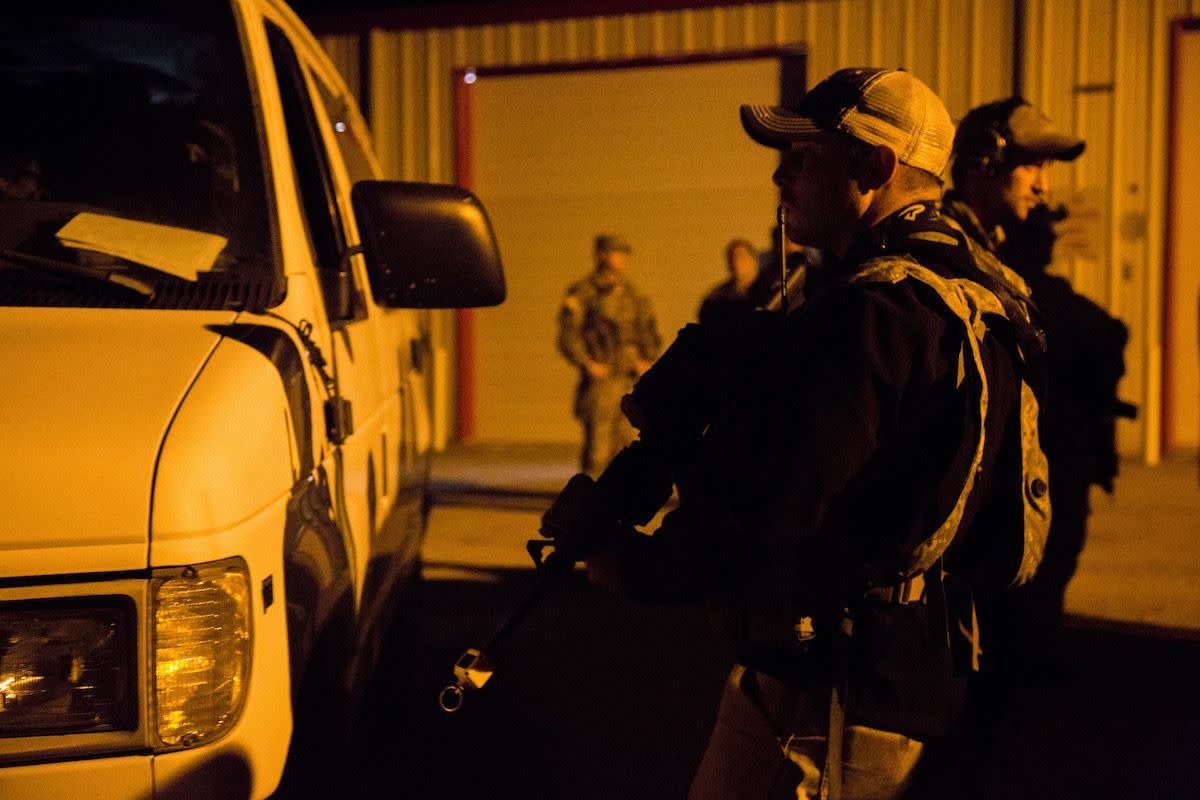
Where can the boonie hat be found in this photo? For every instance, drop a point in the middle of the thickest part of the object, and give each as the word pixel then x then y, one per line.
pixel 876 106
pixel 989 132
pixel 610 242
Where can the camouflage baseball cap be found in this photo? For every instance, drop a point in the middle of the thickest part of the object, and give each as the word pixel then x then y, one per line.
pixel 877 106
pixel 611 242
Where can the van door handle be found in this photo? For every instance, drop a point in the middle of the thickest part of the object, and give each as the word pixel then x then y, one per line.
pixel 383 450
pixel 406 425
pixel 417 347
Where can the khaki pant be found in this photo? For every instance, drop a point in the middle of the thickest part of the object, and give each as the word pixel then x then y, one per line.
pixel 745 760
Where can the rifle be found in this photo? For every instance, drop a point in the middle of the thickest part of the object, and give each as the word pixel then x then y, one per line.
pixel 671 405
pixel 475 667
pixel 570 537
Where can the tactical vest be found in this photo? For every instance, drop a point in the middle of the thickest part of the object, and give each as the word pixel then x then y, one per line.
pixel 898 657
pixel 900 665
pixel 968 302
pixel 919 575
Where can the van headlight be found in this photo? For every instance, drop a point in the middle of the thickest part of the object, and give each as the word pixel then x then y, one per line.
pixel 67 666
pixel 201 653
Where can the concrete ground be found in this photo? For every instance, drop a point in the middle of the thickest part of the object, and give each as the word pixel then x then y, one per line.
pixel 1141 565
pixel 595 698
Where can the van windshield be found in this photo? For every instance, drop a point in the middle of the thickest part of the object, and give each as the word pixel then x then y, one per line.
pixel 129 156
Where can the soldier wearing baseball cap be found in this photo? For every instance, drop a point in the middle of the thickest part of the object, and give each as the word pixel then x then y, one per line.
pixel 828 463
pixel 1001 154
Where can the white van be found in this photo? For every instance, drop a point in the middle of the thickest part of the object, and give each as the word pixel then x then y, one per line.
pixel 214 424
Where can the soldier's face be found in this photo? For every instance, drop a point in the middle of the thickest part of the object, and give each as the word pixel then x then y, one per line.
pixel 817 192
pixel 1027 187
pixel 613 261
pixel 1020 190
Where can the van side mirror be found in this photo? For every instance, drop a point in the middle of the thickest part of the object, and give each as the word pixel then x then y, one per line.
pixel 427 245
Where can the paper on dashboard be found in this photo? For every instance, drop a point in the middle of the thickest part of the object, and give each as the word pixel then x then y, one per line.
pixel 176 251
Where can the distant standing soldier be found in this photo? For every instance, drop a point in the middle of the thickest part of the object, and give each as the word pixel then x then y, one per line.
pixel 1002 150
pixel 606 328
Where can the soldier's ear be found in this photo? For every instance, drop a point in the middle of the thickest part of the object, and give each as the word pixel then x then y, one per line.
pixel 876 167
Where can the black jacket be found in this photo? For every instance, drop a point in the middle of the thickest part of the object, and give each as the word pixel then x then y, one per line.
pixel 841 440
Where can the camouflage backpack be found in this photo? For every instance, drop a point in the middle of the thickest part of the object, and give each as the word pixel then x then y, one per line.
pixel 969 300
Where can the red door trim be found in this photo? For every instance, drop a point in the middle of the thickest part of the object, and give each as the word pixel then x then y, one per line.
pixel 464 321
pixel 1167 429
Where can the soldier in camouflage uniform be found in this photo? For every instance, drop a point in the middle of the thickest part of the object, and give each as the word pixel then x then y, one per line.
pixel 606 329
pixel 1002 152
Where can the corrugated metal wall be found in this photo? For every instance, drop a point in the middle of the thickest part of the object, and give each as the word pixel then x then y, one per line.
pixel 1096 66
pixel 411 96
pixel 1100 68
pixel 965 54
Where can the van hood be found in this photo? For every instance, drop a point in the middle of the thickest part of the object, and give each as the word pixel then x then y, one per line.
pixel 89 395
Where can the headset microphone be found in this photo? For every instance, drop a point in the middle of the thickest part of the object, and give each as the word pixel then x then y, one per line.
pixel 783 299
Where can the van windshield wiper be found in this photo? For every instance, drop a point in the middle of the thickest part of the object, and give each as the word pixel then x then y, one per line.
pixel 112 276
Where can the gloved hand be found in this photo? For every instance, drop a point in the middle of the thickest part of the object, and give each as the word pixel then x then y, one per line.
pixel 577 520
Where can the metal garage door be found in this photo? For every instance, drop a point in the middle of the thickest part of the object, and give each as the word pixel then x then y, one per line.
pixel 654 153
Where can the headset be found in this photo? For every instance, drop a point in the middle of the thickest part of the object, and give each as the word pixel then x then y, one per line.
pixel 986 148
pixel 984 144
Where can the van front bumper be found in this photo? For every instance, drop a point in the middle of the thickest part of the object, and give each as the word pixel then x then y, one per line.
pixel 118 778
